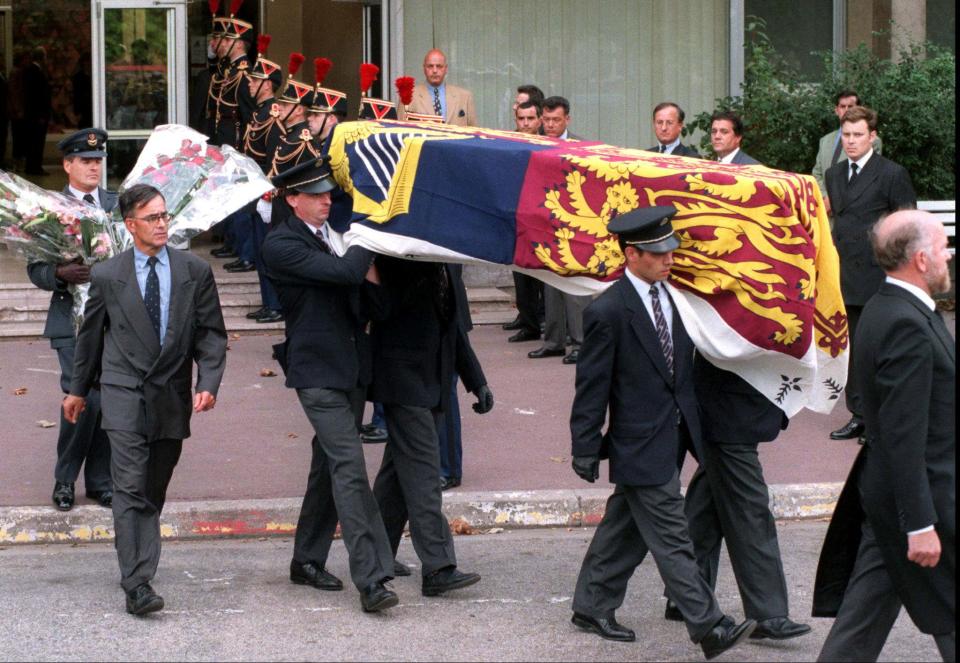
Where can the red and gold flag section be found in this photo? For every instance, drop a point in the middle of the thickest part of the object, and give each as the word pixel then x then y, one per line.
pixel 755 280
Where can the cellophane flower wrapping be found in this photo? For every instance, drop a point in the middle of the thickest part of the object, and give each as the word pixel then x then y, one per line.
pixel 48 226
pixel 202 184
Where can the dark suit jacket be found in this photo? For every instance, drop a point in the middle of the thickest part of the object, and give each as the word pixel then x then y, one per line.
pixel 145 388
pixel 320 295
pixel 680 150
pixel 906 473
pixel 743 159
pixel 882 186
pixel 732 411
pixel 418 348
pixel 36 94
pixel 622 369
pixel 59 325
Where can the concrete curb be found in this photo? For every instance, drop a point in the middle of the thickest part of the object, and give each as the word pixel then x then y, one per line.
pixel 467 511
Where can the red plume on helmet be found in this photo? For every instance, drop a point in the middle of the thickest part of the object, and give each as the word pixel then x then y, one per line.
pixel 321 67
pixel 368 74
pixel 405 89
pixel 214 6
pixel 235 6
pixel 296 60
pixel 263 43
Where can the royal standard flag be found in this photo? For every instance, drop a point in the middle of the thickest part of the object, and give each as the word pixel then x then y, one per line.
pixel 755 280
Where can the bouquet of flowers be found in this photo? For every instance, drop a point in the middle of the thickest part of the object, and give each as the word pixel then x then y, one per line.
pixel 202 184
pixel 49 226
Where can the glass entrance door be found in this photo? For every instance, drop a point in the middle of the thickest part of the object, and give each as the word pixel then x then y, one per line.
pixel 139 57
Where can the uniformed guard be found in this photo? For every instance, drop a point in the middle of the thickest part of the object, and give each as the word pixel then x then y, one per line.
pixel 83 443
pixel 329 106
pixel 230 105
pixel 372 108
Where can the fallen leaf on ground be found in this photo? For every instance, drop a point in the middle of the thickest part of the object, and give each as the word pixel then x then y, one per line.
pixel 558 459
pixel 266 373
pixel 495 530
pixel 235 337
pixel 460 526
pixel 292 436
pixel 43 423
pixel 19 391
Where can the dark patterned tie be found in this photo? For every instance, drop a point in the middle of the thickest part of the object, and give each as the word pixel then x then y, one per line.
pixel 663 332
pixel 437 109
pixel 151 296
pixel 663 149
pixel 323 242
pixel 443 292
pixel 88 198
pixel 853 172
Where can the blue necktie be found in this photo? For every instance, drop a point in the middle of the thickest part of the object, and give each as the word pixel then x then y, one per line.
pixel 151 296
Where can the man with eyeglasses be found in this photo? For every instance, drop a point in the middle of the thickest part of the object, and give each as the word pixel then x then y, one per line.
pixel 152 314
pixel 84 443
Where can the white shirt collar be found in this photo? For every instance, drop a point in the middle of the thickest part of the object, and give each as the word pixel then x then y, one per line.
pixel 862 161
pixel 670 147
pixel 321 231
pixel 729 157
pixel 78 194
pixel 915 291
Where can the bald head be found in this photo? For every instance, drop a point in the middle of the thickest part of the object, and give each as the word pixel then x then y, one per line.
pixel 435 66
pixel 911 245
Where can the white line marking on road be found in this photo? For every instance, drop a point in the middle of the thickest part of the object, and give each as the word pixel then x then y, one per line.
pixel 44 370
pixel 518 410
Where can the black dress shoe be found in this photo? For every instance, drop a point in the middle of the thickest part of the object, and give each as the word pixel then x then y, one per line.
pixel 63 496
pixel 513 325
pixel 400 570
pixel 725 635
pixel 373 434
pixel 142 600
pixel 850 430
pixel 223 252
pixel 545 351
pixel 309 573
pixel 270 316
pixel 778 628
pixel 672 613
pixel 103 497
pixel 376 597
pixel 253 315
pixel 240 266
pixel 446 483
pixel 524 335
pixel 572 357
pixel 608 629
pixel 446 580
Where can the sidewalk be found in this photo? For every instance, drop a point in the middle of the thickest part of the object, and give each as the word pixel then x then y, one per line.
pixel 244 469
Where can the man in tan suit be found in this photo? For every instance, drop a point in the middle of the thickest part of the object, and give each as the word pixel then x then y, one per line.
pixel 437 97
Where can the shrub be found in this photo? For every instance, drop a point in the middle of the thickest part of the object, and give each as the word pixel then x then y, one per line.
pixel 785 117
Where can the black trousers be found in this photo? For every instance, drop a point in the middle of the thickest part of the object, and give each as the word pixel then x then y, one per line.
pixel 83 444
pixel 529 301
pixel 332 414
pixel 141 473
pixel 408 485
pixel 852 394
pixel 728 499
pixel 637 520
pixel 869 609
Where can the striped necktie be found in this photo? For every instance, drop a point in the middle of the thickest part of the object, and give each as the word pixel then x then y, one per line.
pixel 663 331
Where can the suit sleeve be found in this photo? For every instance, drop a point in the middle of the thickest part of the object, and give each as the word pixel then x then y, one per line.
pixel 594 377
pixel 289 260
pixel 44 275
pixel 903 375
pixel 89 348
pixel 210 335
pixel 902 195
pixel 470 110
pixel 468 366
pixel 818 171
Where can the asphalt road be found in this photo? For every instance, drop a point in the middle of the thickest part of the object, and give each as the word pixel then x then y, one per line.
pixel 231 600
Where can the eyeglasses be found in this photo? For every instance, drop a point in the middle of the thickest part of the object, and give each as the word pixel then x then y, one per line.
pixel 153 219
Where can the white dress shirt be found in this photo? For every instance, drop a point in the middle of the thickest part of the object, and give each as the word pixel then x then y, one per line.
pixel 78 194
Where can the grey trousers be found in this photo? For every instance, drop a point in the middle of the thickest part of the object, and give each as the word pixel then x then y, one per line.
pixel 318 513
pixel 563 316
pixel 332 416
pixel 408 484
pixel 639 519
pixel 141 472
pixel 83 444
pixel 728 499
pixel 869 609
